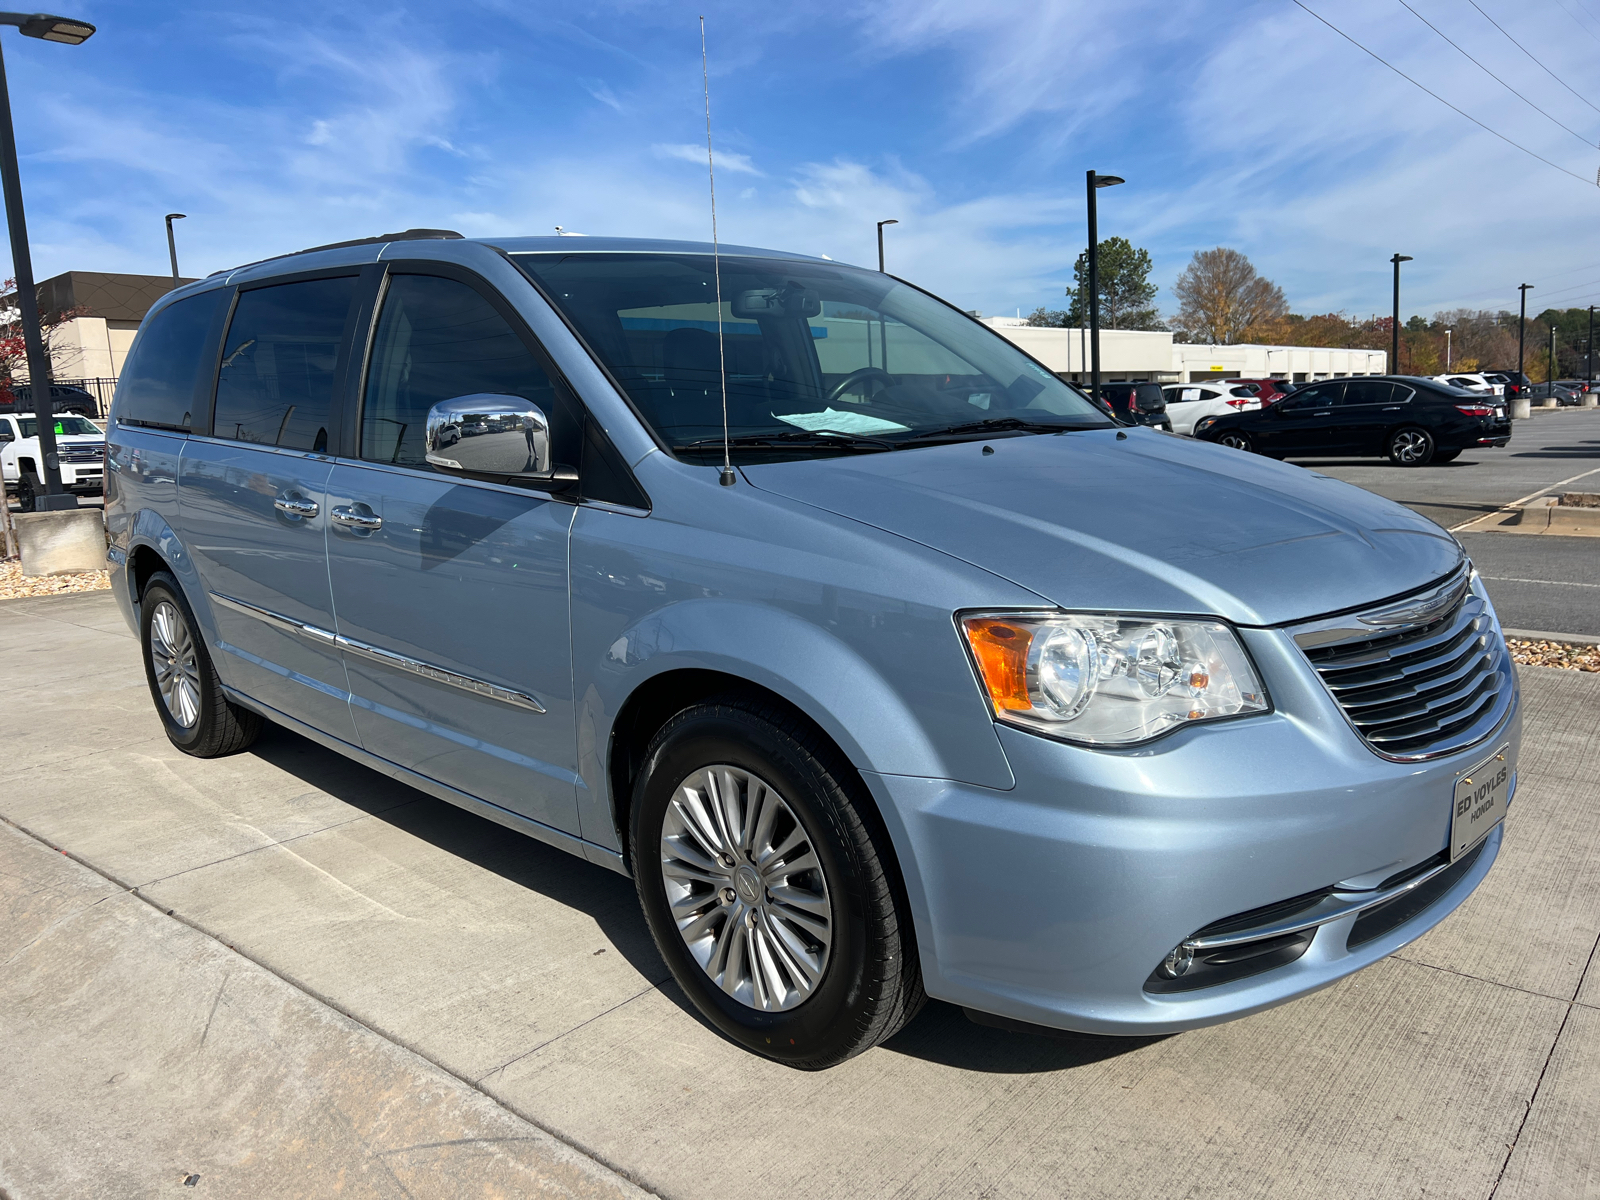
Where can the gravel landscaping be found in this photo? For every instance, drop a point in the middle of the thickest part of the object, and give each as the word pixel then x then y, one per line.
pixel 1572 657
pixel 15 586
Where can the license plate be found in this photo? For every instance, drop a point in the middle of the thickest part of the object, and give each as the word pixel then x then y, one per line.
pixel 1480 802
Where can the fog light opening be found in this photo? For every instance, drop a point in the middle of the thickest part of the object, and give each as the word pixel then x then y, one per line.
pixel 1177 961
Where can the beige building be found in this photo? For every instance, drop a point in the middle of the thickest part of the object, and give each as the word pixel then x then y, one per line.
pixel 1137 354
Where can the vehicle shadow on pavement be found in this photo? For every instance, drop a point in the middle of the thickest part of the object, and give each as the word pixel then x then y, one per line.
pixel 564 878
pixel 942 1034
pixel 1576 450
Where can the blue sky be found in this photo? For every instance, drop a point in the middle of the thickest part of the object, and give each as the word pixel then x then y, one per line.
pixel 1236 122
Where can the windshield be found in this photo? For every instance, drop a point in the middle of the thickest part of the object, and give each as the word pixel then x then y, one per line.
pixel 813 354
pixel 65 426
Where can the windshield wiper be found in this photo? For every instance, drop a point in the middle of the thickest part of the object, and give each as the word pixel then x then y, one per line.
pixel 796 437
pixel 994 425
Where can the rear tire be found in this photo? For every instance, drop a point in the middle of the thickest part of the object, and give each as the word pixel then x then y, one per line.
pixel 778 920
pixel 194 711
pixel 1411 447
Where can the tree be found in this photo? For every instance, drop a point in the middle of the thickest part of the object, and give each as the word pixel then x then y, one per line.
pixel 1049 318
pixel 13 351
pixel 1126 293
pixel 1220 296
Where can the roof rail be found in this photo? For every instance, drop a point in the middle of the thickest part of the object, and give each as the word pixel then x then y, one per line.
pixel 404 235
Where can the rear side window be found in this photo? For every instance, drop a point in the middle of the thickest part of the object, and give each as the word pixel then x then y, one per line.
pixel 275 387
pixel 438 339
pixel 173 351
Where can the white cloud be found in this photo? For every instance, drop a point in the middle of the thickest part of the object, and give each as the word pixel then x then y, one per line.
pixel 728 160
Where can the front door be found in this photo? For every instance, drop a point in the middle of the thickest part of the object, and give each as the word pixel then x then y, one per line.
pixel 1300 424
pixel 253 502
pixel 452 594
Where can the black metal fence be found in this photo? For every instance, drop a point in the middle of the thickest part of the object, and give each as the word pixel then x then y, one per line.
pixel 100 389
pixel 91 395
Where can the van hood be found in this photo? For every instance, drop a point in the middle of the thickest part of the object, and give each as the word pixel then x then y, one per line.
pixel 1143 523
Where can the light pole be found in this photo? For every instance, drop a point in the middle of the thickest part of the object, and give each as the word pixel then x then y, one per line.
pixel 881 224
pixel 1447 334
pixel 1095 183
pixel 1394 360
pixel 1550 362
pixel 71 32
pixel 1588 358
pixel 172 246
pixel 1522 328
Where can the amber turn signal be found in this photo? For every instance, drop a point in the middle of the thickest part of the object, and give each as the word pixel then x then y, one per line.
pixel 1001 651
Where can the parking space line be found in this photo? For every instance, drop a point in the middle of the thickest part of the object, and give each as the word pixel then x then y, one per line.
pixel 1530 496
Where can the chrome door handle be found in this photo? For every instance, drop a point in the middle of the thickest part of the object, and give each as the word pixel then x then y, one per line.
pixel 1393 408
pixel 295 506
pixel 347 516
pixel 1325 413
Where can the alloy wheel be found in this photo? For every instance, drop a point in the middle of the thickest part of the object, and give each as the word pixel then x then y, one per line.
pixel 177 671
pixel 745 888
pixel 1237 440
pixel 1410 445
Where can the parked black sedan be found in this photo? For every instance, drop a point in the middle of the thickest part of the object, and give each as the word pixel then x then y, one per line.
pixel 1411 420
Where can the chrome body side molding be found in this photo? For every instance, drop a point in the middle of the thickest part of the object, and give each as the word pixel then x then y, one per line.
pixel 399 662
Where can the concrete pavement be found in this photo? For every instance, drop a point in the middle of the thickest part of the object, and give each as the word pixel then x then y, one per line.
pixel 390 973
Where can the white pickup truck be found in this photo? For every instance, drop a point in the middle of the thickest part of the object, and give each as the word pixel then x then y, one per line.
pixel 80 448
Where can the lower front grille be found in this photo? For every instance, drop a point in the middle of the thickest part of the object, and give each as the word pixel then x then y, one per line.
pixel 1377 921
pixel 1420 677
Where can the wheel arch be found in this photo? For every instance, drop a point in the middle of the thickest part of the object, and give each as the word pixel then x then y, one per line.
pixel 662 696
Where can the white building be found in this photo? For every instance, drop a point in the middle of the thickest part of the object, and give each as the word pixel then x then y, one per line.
pixel 1136 354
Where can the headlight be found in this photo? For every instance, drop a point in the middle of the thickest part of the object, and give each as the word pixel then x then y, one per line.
pixel 1110 681
pixel 1204 423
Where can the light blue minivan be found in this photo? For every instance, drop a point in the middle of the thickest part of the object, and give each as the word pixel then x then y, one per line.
pixel 883 661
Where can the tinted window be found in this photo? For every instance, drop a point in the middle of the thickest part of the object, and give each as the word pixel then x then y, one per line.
pixel 1319 396
pixel 439 339
pixel 1363 391
pixel 169 356
pixel 276 384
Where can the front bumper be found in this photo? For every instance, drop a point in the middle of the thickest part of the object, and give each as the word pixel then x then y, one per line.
pixel 1053 902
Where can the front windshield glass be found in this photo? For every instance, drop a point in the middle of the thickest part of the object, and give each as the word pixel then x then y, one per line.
pixel 64 426
pixel 817 357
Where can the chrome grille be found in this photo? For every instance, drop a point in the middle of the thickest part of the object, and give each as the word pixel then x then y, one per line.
pixel 1420 677
pixel 81 454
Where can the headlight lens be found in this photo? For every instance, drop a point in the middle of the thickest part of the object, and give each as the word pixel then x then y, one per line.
pixel 1110 681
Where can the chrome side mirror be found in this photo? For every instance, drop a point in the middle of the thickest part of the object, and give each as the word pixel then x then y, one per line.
pixel 488 434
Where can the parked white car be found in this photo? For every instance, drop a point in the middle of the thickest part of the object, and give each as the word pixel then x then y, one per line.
pixel 1187 403
pixel 1474 382
pixel 80 448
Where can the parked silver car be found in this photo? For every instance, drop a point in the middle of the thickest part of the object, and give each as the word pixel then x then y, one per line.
pixel 884 662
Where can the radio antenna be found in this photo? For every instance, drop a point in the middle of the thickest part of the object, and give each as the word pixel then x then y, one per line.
pixel 727 476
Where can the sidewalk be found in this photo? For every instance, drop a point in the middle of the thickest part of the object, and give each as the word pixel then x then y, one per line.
pixel 402 995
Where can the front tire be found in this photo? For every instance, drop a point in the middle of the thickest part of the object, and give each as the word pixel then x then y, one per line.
pixel 27 492
pixel 1236 440
pixel 767 893
pixel 1411 447
pixel 194 711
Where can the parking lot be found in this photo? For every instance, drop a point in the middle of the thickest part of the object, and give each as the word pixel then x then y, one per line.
pixel 284 974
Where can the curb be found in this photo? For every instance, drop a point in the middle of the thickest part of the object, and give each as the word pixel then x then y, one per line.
pixel 1538 635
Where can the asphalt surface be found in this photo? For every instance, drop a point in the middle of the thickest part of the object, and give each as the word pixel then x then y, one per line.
pixel 283 974
pixel 1538 583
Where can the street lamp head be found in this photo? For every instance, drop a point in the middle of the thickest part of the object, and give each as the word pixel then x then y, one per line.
pixel 176 216
pixel 881 224
pixel 1400 258
pixel 1104 181
pixel 52 29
